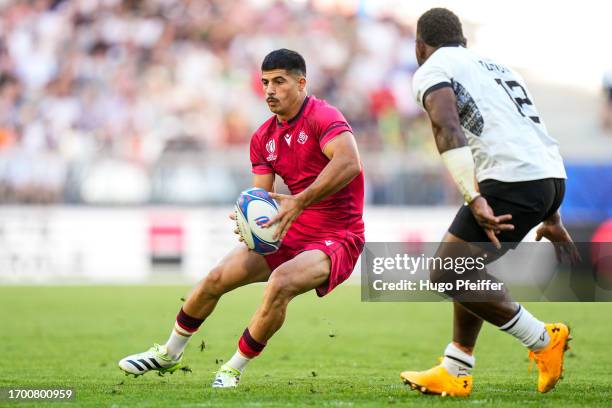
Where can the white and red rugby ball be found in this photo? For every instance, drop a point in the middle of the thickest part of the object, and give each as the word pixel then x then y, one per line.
pixel 254 208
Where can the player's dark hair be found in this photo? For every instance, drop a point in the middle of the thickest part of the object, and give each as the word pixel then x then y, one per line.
pixel 288 60
pixel 440 26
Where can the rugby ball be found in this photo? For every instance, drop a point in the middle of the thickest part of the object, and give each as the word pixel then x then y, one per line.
pixel 254 208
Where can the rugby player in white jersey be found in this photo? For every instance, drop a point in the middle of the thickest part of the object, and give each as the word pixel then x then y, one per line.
pixel 511 175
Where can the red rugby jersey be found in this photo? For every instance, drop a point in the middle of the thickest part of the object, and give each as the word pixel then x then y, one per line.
pixel 293 149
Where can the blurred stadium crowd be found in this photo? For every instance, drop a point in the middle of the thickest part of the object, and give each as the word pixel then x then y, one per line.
pixel 127 101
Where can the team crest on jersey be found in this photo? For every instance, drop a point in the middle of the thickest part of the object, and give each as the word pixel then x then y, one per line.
pixel 271 148
pixel 302 137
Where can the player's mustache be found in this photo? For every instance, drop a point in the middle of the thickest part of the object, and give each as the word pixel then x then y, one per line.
pixel 271 99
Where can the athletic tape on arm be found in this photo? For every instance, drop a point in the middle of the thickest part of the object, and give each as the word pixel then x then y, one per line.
pixel 460 164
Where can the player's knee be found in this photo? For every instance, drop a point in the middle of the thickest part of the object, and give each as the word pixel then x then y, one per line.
pixel 281 286
pixel 213 284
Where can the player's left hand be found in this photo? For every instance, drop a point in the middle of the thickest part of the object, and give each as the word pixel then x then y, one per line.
pixel 290 208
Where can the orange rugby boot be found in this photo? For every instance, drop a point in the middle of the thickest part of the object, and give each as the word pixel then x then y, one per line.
pixel 550 359
pixel 438 381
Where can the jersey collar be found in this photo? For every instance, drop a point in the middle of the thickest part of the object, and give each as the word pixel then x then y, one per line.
pixel 293 119
pixel 451 44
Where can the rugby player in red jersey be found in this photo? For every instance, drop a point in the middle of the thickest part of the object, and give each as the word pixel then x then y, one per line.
pixel 310 145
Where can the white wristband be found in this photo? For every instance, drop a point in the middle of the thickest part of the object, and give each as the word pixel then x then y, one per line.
pixel 460 164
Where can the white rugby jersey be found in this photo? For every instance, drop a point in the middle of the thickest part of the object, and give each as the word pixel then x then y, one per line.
pixel 508 138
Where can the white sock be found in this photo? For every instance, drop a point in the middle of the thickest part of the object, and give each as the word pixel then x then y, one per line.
pixel 238 361
pixel 177 341
pixel 457 362
pixel 529 330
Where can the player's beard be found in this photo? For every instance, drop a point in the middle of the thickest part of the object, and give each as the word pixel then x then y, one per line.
pixel 274 105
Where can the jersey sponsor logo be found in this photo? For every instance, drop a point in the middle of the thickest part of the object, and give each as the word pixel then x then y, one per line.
pixel 271 148
pixel 288 139
pixel 328 242
pixel 469 114
pixel 302 137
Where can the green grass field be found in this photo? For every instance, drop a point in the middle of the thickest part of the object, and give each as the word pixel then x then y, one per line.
pixel 335 351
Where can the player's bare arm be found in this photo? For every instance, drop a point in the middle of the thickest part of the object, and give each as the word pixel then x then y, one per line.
pixel 552 229
pixel 441 106
pixel 265 181
pixel 344 165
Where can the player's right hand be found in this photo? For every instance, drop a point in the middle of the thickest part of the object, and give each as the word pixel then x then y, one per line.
pixel 232 217
pixel 491 223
